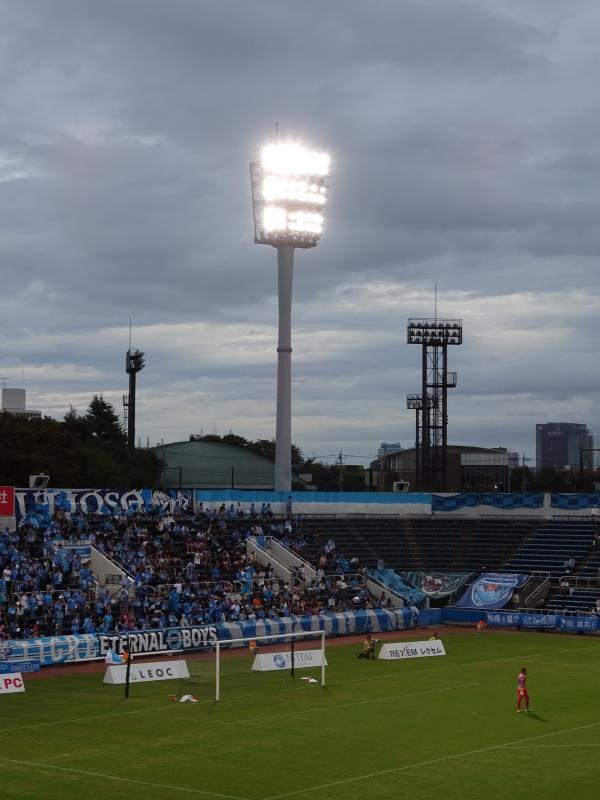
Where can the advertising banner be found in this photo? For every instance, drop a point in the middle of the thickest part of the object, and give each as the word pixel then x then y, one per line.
pixel 579 623
pixel 491 590
pixel 146 673
pixel 10 684
pixel 265 662
pixel 558 621
pixel 397 651
pixel 7 667
pixel 104 502
pixel 50 650
pixel 159 641
pixel 7 501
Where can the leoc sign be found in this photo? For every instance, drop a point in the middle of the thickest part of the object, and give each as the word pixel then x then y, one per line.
pixel 147 673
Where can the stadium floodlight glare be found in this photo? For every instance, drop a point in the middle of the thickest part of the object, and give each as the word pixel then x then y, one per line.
pixel 289 194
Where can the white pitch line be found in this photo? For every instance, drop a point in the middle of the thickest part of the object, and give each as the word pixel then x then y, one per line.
pixel 468 664
pixel 237 698
pixel 104 776
pixel 323 709
pixel 548 746
pixel 78 719
pixel 429 763
pixel 145 711
pixel 337 706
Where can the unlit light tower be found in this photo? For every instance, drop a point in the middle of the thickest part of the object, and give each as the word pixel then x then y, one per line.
pixel 289 194
pixel 134 363
pixel 431 406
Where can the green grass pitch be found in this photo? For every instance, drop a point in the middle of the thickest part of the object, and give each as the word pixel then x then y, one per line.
pixel 426 728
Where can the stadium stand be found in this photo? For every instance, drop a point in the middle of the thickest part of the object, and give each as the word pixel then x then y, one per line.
pixel 195 569
pixel 178 571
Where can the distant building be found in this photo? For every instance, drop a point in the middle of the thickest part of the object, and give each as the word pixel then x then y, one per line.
pixel 215 465
pixel 470 469
pixel 13 402
pixel 563 444
pixel 386 448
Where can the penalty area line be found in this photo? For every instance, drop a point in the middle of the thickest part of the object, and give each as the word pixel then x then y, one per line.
pixel 428 763
pixel 321 709
pixel 105 776
pixel 78 719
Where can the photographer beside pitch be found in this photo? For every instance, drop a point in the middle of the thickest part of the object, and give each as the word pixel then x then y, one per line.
pixel 368 647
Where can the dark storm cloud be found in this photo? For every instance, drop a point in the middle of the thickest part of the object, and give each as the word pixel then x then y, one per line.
pixel 464 144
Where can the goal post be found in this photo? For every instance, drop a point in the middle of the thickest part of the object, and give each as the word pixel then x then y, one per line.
pixel 277 652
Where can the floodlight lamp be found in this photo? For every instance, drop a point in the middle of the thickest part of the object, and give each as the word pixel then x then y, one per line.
pixel 289 192
pixel 274 219
pixel 294 159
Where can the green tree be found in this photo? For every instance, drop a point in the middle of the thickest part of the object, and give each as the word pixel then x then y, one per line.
pixel 103 422
pixel 553 480
pixel 70 455
pixel 522 479
pixel 325 477
pixel 262 447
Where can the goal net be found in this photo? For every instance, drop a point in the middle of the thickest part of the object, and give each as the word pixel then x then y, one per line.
pixel 256 665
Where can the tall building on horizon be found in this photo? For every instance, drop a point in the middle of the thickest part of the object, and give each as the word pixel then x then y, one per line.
pixel 563 444
pixel 14 402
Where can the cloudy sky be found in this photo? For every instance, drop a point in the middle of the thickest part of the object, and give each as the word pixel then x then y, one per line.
pixel 466 151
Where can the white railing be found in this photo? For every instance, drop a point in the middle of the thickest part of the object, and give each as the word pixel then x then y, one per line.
pixel 579 582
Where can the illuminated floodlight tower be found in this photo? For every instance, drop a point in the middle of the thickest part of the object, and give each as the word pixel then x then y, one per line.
pixel 289 194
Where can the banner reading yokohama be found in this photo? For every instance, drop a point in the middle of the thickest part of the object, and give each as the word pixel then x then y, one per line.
pixel 7 501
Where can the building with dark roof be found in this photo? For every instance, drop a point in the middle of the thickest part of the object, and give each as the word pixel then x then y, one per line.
pixel 470 469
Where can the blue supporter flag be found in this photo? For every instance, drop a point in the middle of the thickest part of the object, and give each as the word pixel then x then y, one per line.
pixel 113 658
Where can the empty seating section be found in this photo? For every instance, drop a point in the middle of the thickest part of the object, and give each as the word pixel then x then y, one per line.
pixel 581 584
pixel 550 547
pixel 459 544
pixel 576 600
pixel 591 567
pixel 468 544
pixel 474 545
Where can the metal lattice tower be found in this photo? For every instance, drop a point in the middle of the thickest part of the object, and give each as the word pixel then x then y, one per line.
pixel 431 406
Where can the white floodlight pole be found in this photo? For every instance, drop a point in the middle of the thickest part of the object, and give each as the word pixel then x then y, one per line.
pixel 283 426
pixel 289 187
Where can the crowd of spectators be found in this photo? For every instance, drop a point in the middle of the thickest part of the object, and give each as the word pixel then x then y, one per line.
pixel 42 582
pixel 178 570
